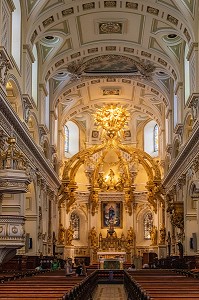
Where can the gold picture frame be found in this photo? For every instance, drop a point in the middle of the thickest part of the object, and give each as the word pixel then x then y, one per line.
pixel 112 210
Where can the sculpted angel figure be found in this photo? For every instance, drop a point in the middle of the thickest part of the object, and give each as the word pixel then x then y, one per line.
pixel 130 235
pixel 162 234
pixel 93 237
pixel 154 235
pixel 69 236
pixel 61 234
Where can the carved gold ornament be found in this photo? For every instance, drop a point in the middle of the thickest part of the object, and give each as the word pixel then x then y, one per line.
pixel 112 119
pixel 117 175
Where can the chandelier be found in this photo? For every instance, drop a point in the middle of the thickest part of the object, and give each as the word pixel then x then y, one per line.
pixel 112 119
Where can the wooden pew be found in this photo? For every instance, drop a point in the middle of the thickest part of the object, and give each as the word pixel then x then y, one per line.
pixel 164 284
pixel 51 285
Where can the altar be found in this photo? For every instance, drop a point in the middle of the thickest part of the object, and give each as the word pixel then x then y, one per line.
pixel 111 260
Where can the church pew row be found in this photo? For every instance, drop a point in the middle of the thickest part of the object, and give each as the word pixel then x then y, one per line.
pixel 14 275
pixel 160 285
pixel 54 285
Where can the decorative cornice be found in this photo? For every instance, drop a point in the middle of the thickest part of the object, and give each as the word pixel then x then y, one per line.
pixel 29 50
pixel 169 148
pixel 5 65
pixel 43 129
pixel 191 49
pixel 167 113
pixel 28 100
pixel 193 103
pixel 53 113
pixel 53 149
pixel 178 129
pixel 11 5
pixel 27 143
pixel 178 85
pixel 44 89
pixel 184 159
pixel 191 99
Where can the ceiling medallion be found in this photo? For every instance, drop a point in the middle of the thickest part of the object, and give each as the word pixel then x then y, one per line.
pixel 111 92
pixel 112 119
pixel 110 27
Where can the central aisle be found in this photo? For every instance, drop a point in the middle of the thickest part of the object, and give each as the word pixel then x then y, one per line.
pixel 110 291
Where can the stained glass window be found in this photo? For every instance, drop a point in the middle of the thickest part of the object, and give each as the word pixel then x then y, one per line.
pixel 75 222
pixel 155 138
pixel 148 223
pixel 66 142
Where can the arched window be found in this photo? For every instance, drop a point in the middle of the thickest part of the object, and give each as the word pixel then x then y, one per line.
pixel 155 138
pixel 151 138
pixel 186 74
pixel 66 141
pixel 71 142
pixel 34 74
pixel 16 33
pixel 148 223
pixel 75 222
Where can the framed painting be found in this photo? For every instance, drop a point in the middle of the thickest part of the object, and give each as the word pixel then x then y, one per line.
pixel 111 211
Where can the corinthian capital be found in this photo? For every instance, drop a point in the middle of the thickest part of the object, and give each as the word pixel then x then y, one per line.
pixel 194 105
pixel 4 66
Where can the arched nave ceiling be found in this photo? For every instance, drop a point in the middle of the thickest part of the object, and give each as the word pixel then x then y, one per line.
pixel 80 42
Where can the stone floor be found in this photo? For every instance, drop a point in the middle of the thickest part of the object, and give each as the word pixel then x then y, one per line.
pixel 110 291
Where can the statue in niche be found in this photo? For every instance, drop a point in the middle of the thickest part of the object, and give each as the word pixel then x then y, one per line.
pixel 94 198
pixel 93 237
pixel 101 182
pixel 162 235
pixel 120 183
pixel 61 234
pixel 128 201
pixel 69 236
pixel 154 235
pixel 111 180
pixel 130 235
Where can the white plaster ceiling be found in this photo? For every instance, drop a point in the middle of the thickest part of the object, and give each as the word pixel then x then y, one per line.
pixel 83 32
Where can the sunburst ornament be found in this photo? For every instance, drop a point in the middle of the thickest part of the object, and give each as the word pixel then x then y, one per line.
pixel 112 119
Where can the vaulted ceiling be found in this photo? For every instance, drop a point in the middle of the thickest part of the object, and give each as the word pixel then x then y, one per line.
pixel 97 52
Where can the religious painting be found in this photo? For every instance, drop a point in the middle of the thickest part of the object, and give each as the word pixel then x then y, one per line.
pixel 111 63
pixel 111 213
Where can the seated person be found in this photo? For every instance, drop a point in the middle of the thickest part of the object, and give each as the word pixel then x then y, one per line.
pixel 132 268
pixel 78 270
pixel 39 268
pixel 145 266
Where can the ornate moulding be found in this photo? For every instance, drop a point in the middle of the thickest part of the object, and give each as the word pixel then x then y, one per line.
pixel 5 65
pixel 194 189
pixel 14 170
pixel 9 121
pixel 13 181
pixel 12 236
pixel 193 103
pixel 184 160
